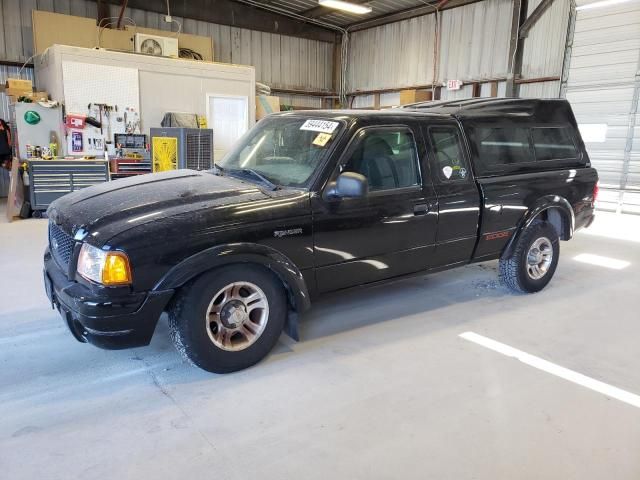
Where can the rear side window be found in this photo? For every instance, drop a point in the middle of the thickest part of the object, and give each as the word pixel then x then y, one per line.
pixel 498 146
pixel 447 150
pixel 553 143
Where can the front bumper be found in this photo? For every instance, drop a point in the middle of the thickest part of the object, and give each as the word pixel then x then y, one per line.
pixel 110 322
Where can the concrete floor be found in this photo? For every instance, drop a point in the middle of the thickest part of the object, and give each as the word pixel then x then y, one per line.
pixel 381 386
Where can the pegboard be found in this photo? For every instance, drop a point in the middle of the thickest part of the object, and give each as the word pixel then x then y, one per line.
pixel 86 83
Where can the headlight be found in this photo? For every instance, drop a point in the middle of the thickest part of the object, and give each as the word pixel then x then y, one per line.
pixel 107 268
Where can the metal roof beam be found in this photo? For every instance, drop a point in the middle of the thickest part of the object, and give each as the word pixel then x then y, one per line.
pixel 532 19
pixel 237 14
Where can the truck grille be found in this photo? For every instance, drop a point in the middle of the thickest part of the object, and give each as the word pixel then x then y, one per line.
pixel 61 245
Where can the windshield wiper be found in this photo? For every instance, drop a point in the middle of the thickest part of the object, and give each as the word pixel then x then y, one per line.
pixel 259 176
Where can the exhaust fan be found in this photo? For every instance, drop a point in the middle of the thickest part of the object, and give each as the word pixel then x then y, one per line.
pixel 156 45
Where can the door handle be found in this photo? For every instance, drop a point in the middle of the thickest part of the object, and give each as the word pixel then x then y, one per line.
pixel 421 209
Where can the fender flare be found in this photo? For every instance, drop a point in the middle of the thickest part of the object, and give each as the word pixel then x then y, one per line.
pixel 543 204
pixel 228 254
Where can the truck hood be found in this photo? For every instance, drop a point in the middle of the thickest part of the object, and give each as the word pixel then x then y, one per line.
pixel 110 208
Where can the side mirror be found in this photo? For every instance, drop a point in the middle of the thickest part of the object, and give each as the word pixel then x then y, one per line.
pixel 349 185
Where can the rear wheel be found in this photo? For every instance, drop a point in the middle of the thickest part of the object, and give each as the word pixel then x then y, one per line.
pixel 228 319
pixel 533 261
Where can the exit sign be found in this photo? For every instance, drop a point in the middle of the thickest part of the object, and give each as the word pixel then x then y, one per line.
pixel 454 84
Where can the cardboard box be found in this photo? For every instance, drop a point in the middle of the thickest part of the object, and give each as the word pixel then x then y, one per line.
pixel 413 96
pixel 15 87
pixel 266 105
pixel 34 96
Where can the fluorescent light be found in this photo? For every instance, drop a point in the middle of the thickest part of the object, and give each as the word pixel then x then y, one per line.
pixel 602 3
pixel 346 6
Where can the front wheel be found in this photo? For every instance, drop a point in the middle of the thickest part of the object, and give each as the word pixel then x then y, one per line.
pixel 534 260
pixel 228 319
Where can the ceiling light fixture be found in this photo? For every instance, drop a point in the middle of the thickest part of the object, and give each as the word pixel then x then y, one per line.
pixel 346 6
pixel 603 3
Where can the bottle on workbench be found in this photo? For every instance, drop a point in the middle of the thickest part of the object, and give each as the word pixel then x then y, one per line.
pixel 53 143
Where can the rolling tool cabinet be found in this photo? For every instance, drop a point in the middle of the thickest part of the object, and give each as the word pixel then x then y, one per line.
pixel 51 179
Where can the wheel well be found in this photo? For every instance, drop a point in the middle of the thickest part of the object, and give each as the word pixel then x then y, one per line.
pixel 557 218
pixel 291 326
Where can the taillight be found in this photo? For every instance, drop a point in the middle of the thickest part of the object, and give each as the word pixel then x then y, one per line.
pixel 596 189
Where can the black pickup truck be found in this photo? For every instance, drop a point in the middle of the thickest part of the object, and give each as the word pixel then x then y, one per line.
pixel 313 202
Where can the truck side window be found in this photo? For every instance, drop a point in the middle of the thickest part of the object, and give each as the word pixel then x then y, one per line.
pixel 553 143
pixel 447 150
pixel 387 156
pixel 502 146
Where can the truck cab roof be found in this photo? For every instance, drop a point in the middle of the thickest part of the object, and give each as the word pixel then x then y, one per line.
pixel 553 110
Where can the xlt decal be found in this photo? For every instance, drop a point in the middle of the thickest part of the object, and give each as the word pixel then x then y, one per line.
pixel 286 233
pixel 496 235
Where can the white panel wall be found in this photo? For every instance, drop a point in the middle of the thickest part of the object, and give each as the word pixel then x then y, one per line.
pixel 603 88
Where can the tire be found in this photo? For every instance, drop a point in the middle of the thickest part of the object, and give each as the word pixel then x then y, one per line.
pixel 209 323
pixel 518 272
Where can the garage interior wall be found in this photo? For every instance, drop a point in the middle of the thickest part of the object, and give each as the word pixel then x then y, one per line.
pixel 603 88
pixel 280 61
pixel 543 54
pixel 473 47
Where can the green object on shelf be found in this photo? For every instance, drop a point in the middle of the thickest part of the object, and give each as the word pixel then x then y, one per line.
pixel 31 117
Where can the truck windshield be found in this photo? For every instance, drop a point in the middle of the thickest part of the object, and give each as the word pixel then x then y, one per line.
pixel 284 150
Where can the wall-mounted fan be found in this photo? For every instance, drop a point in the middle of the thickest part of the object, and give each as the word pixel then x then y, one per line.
pixel 156 45
pixel 151 46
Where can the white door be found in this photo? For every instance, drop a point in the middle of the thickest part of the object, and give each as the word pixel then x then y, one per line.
pixel 229 118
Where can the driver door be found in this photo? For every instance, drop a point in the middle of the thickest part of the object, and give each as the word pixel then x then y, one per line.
pixel 391 231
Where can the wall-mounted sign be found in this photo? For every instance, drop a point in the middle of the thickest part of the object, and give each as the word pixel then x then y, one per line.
pixel 31 117
pixel 454 84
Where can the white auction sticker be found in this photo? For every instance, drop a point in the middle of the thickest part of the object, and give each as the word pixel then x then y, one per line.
pixel 324 126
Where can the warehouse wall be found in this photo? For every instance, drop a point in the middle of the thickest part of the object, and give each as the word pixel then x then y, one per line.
pixel 544 49
pixel 474 45
pixel 604 88
pixel 6 72
pixel 280 61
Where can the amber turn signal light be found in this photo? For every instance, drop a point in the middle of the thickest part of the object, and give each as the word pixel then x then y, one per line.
pixel 116 270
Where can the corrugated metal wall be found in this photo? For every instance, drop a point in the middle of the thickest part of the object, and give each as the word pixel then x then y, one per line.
pixel 474 43
pixel 395 55
pixel 603 88
pixel 280 61
pixel 6 72
pixel 544 49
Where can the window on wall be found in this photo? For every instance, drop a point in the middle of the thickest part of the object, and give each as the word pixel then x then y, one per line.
pixel 388 157
pixel 553 143
pixel 228 117
pixel 498 146
pixel 447 149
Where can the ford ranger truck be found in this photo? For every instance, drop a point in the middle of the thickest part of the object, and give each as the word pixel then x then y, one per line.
pixel 308 203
